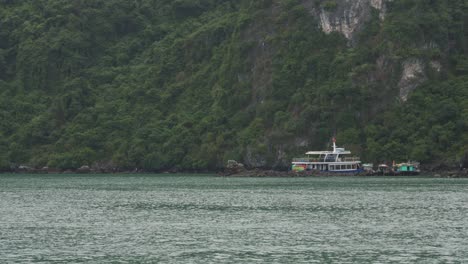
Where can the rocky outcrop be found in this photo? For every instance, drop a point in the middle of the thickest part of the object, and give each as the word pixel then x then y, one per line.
pixel 233 167
pixel 464 161
pixel 412 76
pixel 290 173
pixel 267 173
pixel 84 169
pixel 255 160
pixel 348 16
pixel 436 66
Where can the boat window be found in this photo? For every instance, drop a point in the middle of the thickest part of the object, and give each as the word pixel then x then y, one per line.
pixel 321 158
pixel 348 167
pixel 330 157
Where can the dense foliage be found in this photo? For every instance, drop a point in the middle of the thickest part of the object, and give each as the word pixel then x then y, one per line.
pixel 189 84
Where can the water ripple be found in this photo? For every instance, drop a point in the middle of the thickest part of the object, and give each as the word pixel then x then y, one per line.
pixel 204 219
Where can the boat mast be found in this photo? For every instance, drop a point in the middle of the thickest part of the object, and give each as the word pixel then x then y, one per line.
pixel 334 145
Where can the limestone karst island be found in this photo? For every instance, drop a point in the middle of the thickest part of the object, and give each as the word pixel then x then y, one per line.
pixel 186 85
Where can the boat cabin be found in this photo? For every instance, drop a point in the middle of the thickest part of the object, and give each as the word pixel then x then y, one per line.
pixel 331 161
pixel 369 167
pixel 411 167
pixel 383 168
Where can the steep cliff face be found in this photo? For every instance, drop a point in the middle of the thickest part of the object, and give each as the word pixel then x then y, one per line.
pixel 382 75
pixel 189 84
pixel 349 16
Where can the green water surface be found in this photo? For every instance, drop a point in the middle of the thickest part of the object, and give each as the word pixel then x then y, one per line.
pixel 207 219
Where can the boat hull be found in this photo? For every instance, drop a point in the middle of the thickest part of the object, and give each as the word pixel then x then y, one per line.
pixel 330 167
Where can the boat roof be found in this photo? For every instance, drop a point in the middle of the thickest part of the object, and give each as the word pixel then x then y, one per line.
pixel 406 164
pixel 328 152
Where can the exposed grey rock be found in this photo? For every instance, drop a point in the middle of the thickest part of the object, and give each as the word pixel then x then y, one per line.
pixel 234 167
pixel 281 157
pixel 349 16
pixel 255 160
pixel 435 65
pixel 232 164
pixel 464 161
pixel 412 76
pixel 301 142
pixel 83 169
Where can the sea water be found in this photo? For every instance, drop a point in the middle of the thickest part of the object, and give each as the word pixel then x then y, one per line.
pixel 208 219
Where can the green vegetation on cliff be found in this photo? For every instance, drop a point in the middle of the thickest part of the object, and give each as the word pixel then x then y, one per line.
pixel 189 84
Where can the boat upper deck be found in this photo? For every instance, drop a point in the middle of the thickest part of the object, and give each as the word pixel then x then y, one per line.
pixel 337 155
pixel 336 150
pixel 324 159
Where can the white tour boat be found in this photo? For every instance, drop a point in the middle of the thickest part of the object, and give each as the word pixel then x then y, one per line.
pixel 328 161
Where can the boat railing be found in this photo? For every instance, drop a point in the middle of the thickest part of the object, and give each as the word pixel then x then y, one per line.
pixel 344 159
pixel 308 160
pixel 351 159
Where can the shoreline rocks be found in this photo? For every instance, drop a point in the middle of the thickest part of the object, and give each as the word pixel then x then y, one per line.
pixel 315 173
pixel 277 173
pixel 235 169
